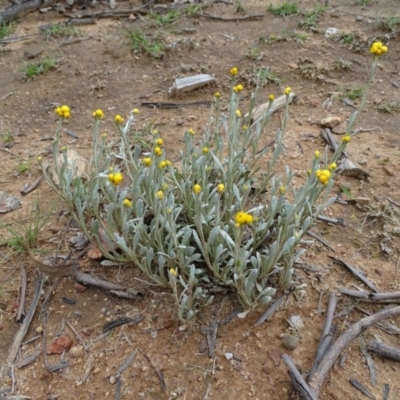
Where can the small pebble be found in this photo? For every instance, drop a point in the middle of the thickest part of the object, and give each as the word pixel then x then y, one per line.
pixel 112 380
pixel 290 342
pixel 96 370
pixel 39 329
pixel 77 351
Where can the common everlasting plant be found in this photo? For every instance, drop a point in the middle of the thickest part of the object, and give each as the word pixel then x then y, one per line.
pixel 217 219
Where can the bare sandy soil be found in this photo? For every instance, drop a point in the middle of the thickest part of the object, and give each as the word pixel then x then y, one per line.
pixel 98 70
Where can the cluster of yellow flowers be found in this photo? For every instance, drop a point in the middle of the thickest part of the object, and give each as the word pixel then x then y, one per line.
pixel 63 112
pixel 243 218
pixel 165 164
pixel 238 88
pixel 378 48
pixel 118 119
pixel 191 132
pixel 147 161
pixel 323 175
pixel 157 151
pixel 115 178
pixel 98 114
pixel 234 71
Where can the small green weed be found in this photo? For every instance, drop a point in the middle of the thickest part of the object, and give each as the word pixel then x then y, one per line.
pixel 153 46
pixel 254 53
pixel 7 137
pixel 194 9
pixel 390 24
pixel 285 36
pixel 347 193
pixel 7 29
pixel 348 38
pixel 164 20
pixel 353 94
pixel 364 3
pixel 390 108
pixel 22 167
pixel 31 70
pixel 284 10
pixel 54 31
pixel 25 233
pixel 239 7
pixel 312 18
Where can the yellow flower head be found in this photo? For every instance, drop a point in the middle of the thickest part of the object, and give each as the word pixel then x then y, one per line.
pixel 98 114
pixel 196 188
pixel 154 132
pixel 173 272
pixel 205 150
pixel 282 189
pixel 220 188
pixel 63 112
pixel 271 98
pixel 118 119
pixel 147 161
pixel 191 132
pixel 160 195
pixel 104 135
pixel 234 71
pixel 127 203
pixel 249 219
pixel 324 176
pixel 39 159
pixel 168 163
pixel 317 154
pixel 245 127
pixel 378 48
pixel 318 173
pixel 63 148
pixel 116 178
pixel 162 164
pixel 238 113
pixel 164 187
pixel 135 111
pixel 309 172
pixel 217 95
pixel 332 166
pixel 287 90
pixel 238 88
pixel 159 142
pixel 157 151
pixel 240 217
pixel 346 139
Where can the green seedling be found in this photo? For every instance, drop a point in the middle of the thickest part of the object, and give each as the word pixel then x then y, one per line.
pixel 7 137
pixel 285 36
pixel 7 29
pixel 390 24
pixel 153 46
pixel 284 10
pixel 31 70
pixel 164 20
pixel 54 31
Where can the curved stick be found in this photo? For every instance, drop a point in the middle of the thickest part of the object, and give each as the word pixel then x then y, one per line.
pixel 343 340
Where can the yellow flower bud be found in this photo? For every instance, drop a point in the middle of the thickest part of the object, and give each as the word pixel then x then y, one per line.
pixel 238 113
pixel 160 195
pixel 196 188
pixel 127 203
pixel 346 139
pixel 220 188
pixel 191 132
pixel 147 161
pixel 205 150
pixel 159 142
pixel 234 71
pixel 271 98
pixel 287 90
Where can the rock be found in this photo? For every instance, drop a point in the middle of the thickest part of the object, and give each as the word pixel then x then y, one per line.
pixel 267 370
pixel 39 329
pixel 112 380
pixel 59 345
pixel 359 18
pixel 340 129
pixel 8 202
pixel 293 65
pixel 362 161
pixel 331 121
pixel 79 288
pixel 330 32
pixel 77 351
pixel 228 356
pixel 290 342
pixel 275 355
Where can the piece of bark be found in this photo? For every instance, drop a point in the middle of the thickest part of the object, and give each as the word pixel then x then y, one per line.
pixel 271 311
pixel 29 359
pixel 358 385
pixel 385 350
pixel 265 109
pixel 370 361
pixel 190 83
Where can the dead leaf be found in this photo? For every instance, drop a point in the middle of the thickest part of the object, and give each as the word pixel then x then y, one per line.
pixel 94 253
pixel 275 355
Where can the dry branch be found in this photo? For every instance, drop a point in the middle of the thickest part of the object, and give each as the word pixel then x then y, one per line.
pixel 333 353
pixel 385 350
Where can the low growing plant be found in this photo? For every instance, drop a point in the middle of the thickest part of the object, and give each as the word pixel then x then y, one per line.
pixel 219 219
pixel 31 70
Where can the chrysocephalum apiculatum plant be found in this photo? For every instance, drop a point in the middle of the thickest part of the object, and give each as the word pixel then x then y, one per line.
pixel 210 222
